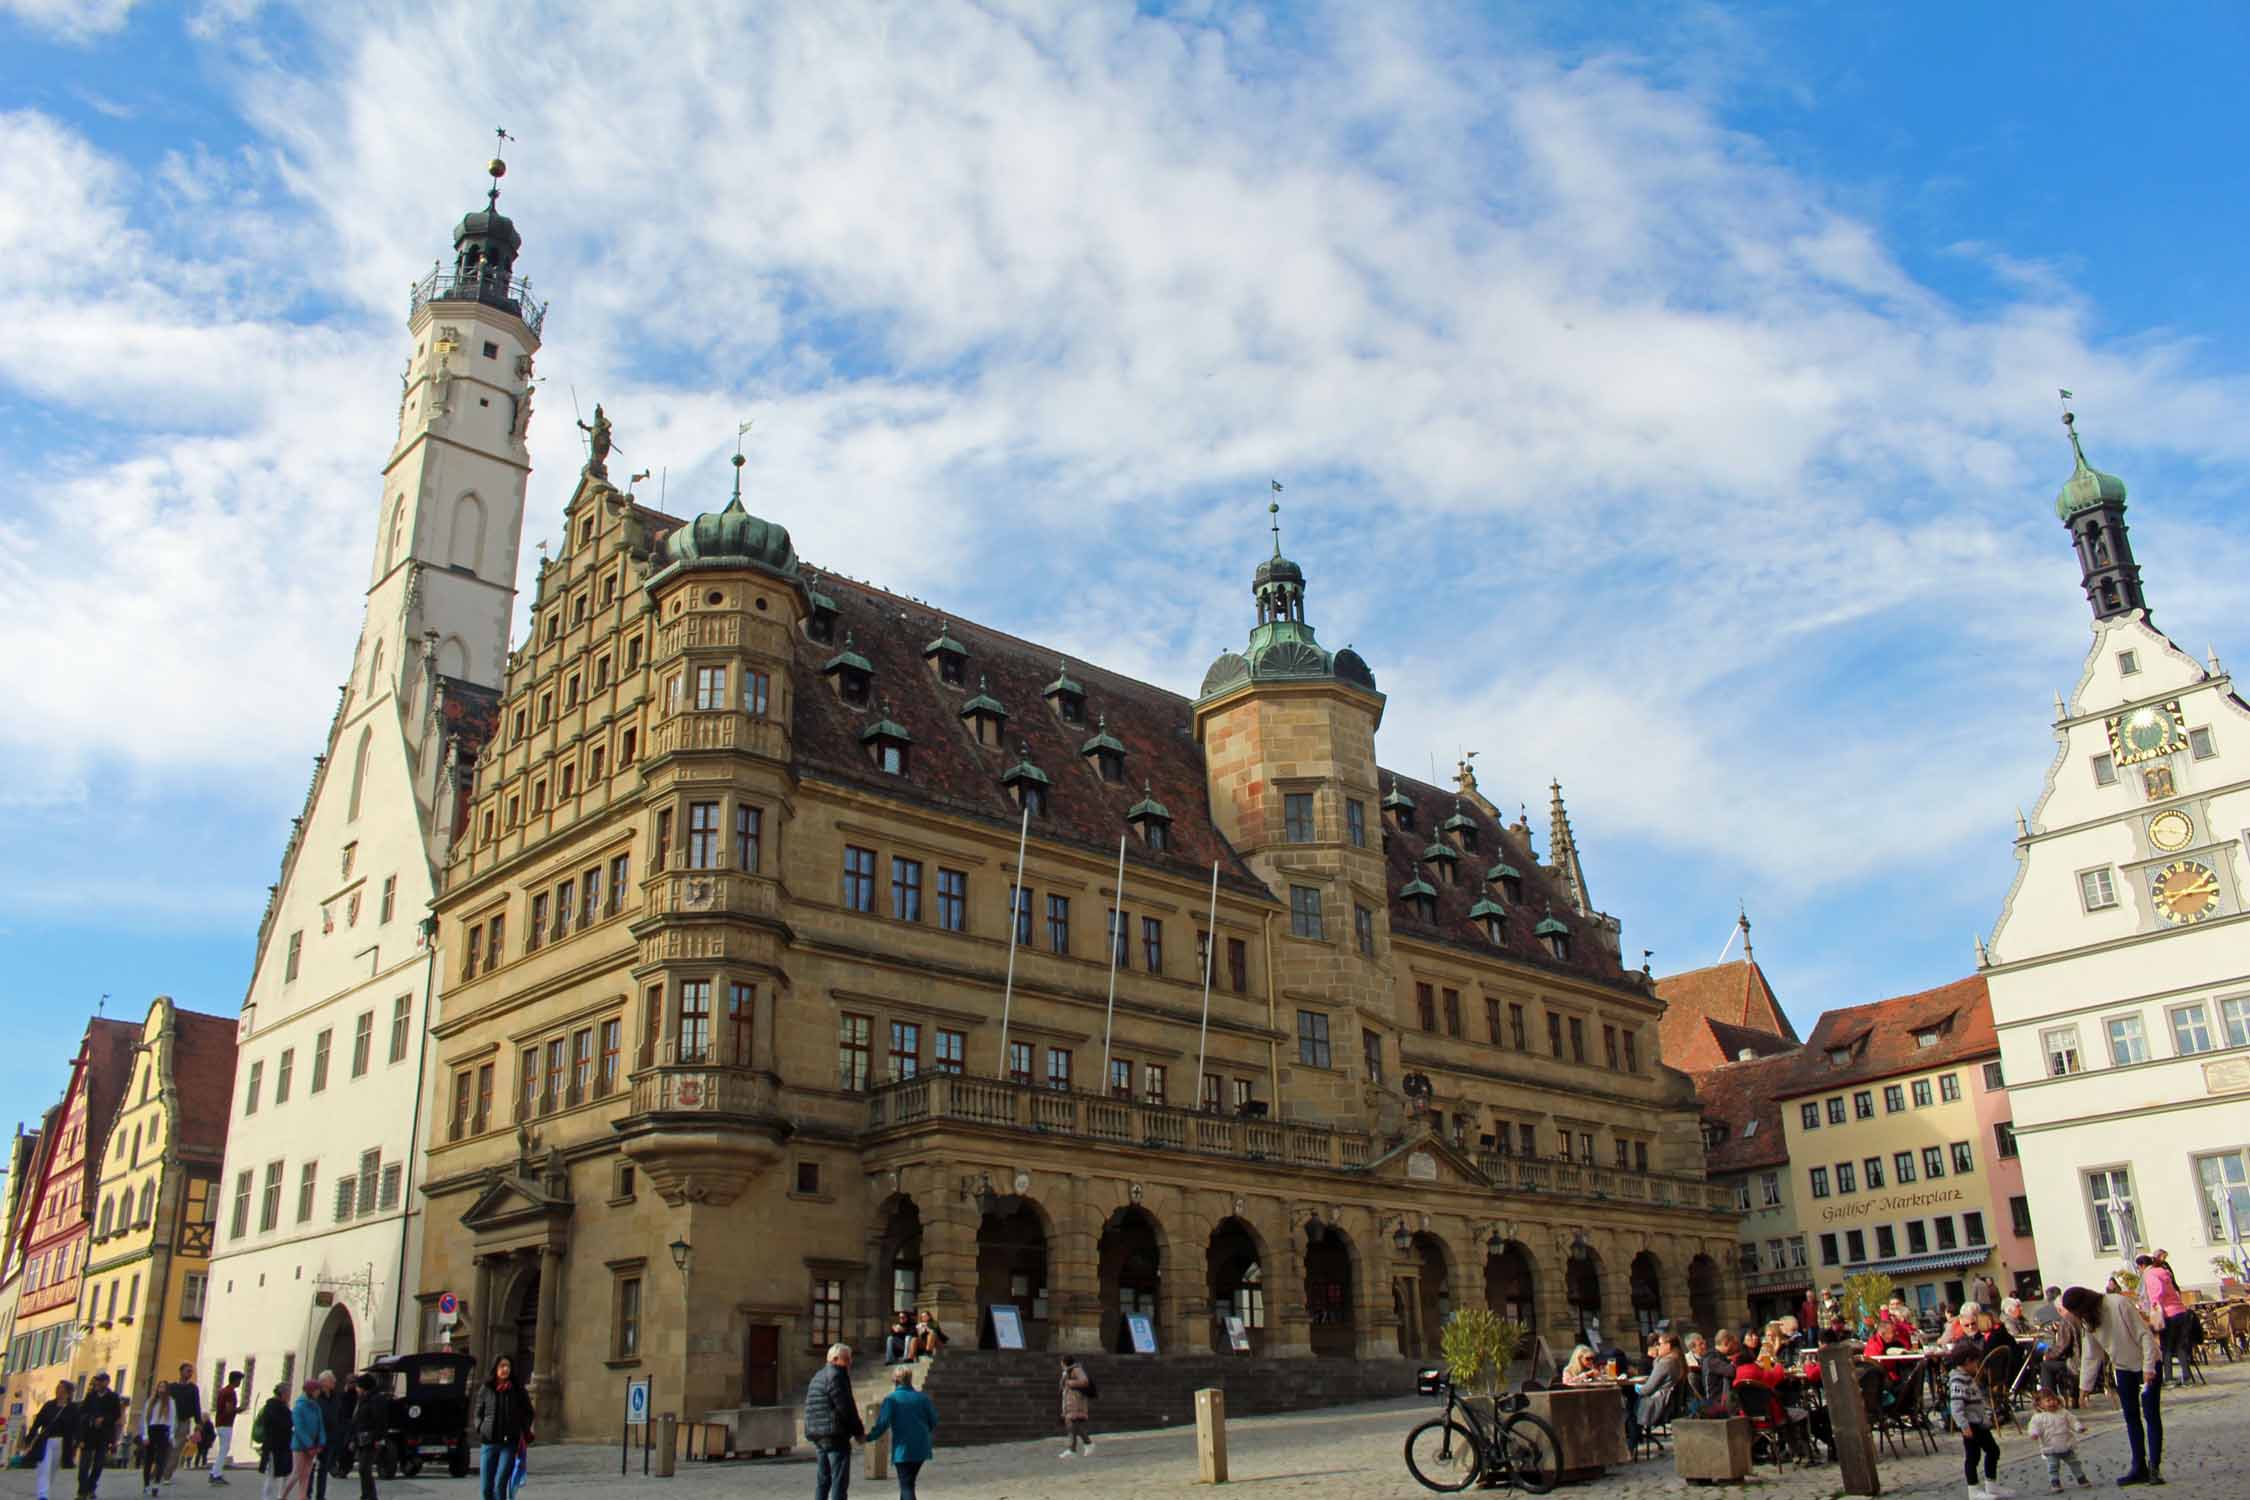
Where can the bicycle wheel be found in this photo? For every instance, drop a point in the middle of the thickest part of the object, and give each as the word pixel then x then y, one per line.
pixel 1530 1453
pixel 1443 1455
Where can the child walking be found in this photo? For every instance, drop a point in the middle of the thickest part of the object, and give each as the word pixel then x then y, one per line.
pixel 1972 1413
pixel 2058 1432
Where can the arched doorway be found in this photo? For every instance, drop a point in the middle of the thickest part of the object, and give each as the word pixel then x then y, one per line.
pixel 519 1330
pixel 1646 1283
pixel 1012 1268
pixel 1433 1286
pixel 898 1266
pixel 1328 1289
pixel 1235 1265
pixel 1131 1257
pixel 337 1347
pixel 1508 1284
pixel 1582 1289
pixel 1703 1293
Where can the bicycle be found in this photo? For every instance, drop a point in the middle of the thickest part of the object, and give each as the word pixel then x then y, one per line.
pixel 1449 1453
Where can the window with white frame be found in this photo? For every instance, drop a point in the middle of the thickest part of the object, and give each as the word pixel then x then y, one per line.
pixel 2127 1044
pixel 2234 1020
pixel 2224 1177
pixel 2060 1044
pixel 2109 1194
pixel 2097 888
pixel 2191 1029
pixel 1769 1189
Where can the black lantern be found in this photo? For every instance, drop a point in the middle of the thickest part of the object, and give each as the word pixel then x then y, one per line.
pixel 682 1253
pixel 1400 1238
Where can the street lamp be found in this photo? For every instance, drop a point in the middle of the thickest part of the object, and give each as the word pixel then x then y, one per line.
pixel 682 1253
pixel 1400 1238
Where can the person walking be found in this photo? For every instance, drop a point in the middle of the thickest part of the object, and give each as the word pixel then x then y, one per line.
pixel 1077 1406
pixel 99 1417
pixel 335 1421
pixel 187 1419
pixel 2160 1294
pixel 1972 1414
pixel 2057 1432
pixel 910 1418
pixel 157 1422
pixel 2111 1327
pixel 270 1433
pixel 308 1435
pixel 371 1424
pixel 225 1407
pixel 502 1423
pixel 831 1422
pixel 42 1440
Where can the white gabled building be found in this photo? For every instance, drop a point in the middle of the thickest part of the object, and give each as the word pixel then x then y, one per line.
pixel 2120 967
pixel 318 1224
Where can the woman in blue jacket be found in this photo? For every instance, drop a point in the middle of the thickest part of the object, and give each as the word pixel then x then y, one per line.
pixel 910 1418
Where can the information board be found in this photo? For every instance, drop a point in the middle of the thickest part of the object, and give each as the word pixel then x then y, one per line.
pixel 1007 1325
pixel 1143 1332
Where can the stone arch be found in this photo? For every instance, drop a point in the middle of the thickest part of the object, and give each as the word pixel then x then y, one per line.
pixel 515 1334
pixel 1511 1283
pixel 336 1347
pixel 397 534
pixel 1424 1321
pixel 1235 1269
pixel 1704 1293
pixel 465 548
pixel 1645 1285
pixel 1332 1275
pixel 898 1256
pixel 1130 1256
pixel 1015 1257
pixel 359 773
pixel 453 657
pixel 1582 1293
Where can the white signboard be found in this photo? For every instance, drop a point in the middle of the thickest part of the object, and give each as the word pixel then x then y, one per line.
pixel 1143 1332
pixel 636 1401
pixel 1007 1325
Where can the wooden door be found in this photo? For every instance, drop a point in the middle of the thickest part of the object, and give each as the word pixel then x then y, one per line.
pixel 761 1365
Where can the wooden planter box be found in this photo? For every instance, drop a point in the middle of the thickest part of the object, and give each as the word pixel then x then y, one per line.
pixel 1589 1423
pixel 1717 1449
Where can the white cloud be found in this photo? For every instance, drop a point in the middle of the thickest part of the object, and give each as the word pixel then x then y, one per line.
pixel 1605 434
pixel 70 20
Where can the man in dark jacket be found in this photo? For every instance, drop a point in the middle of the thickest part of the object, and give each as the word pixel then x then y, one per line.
pixel 99 1417
pixel 271 1432
pixel 42 1441
pixel 187 1417
pixel 371 1425
pixel 832 1420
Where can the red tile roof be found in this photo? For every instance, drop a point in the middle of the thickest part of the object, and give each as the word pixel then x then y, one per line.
pixel 109 1072
pixel 1738 1096
pixel 1734 996
pixel 1880 1037
pixel 203 1079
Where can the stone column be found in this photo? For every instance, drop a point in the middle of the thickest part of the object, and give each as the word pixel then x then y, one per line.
pixel 546 1380
pixel 949 1259
pixel 1074 1286
pixel 480 1314
pixel 1288 1331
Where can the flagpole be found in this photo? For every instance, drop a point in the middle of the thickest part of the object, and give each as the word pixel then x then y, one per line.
pixel 1210 960
pixel 1015 926
pixel 1116 944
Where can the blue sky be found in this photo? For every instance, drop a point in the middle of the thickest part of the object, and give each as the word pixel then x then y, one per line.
pixel 1665 395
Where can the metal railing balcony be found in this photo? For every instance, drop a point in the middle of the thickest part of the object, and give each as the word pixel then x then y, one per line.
pixel 510 294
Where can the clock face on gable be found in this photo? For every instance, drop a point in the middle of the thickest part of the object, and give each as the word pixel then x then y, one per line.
pixel 2146 733
pixel 2170 830
pixel 2185 891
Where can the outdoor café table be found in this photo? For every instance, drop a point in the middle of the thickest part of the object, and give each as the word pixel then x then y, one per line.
pixel 1925 1364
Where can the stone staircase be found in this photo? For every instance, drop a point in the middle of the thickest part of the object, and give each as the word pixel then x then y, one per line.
pixel 1007 1395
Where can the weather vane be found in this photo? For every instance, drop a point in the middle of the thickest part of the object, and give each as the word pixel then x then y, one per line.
pixel 497 168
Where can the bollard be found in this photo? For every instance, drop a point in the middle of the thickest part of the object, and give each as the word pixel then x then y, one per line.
pixel 1211 1435
pixel 878 1452
pixel 1848 1420
pixel 667 1445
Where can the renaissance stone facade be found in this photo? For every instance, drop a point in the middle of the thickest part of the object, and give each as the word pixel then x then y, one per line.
pixel 756 1024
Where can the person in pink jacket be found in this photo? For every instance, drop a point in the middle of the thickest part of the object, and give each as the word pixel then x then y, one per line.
pixel 2160 1293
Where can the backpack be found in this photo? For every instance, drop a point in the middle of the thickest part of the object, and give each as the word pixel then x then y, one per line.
pixel 1092 1390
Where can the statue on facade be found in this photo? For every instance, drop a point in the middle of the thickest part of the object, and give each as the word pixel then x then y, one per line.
pixel 598 443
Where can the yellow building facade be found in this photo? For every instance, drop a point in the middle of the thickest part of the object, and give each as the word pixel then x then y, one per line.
pixel 1891 1164
pixel 155 1204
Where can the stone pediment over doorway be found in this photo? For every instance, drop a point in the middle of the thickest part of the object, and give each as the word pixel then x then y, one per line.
pixel 1428 1158
pixel 520 1207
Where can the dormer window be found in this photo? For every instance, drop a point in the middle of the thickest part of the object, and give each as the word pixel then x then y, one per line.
pixel 1492 917
pixel 1148 818
pixel 1027 784
pixel 987 720
pixel 1553 936
pixel 820 625
pixel 1507 880
pixel 1926 1038
pixel 1440 858
pixel 888 743
pixel 1421 899
pixel 1107 754
pixel 1839 1057
pixel 1461 829
pixel 1398 808
pixel 947 657
pixel 1066 697
pixel 852 673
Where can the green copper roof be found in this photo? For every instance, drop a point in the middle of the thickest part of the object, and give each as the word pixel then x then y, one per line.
pixel 1459 820
pixel 983 703
pixel 847 658
pixel 1147 807
pixel 1488 908
pixel 1417 887
pixel 945 643
pixel 1396 798
pixel 1024 770
pixel 1503 871
pixel 820 601
pixel 1436 850
pixel 1102 740
pixel 1062 683
pixel 1550 927
pixel 886 728
pixel 2087 486
pixel 733 535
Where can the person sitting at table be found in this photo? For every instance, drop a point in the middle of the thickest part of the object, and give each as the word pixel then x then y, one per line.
pixel 1961 1325
pixel 2012 1318
pixel 2046 1311
pixel 1579 1368
pixel 1792 1335
pixel 1715 1380
pixel 1693 1351
pixel 1891 1337
pixel 1771 1369
pixel 2058 1361
pixel 1644 1407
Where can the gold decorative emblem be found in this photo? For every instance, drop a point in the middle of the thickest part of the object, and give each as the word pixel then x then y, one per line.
pixel 2170 830
pixel 2185 891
